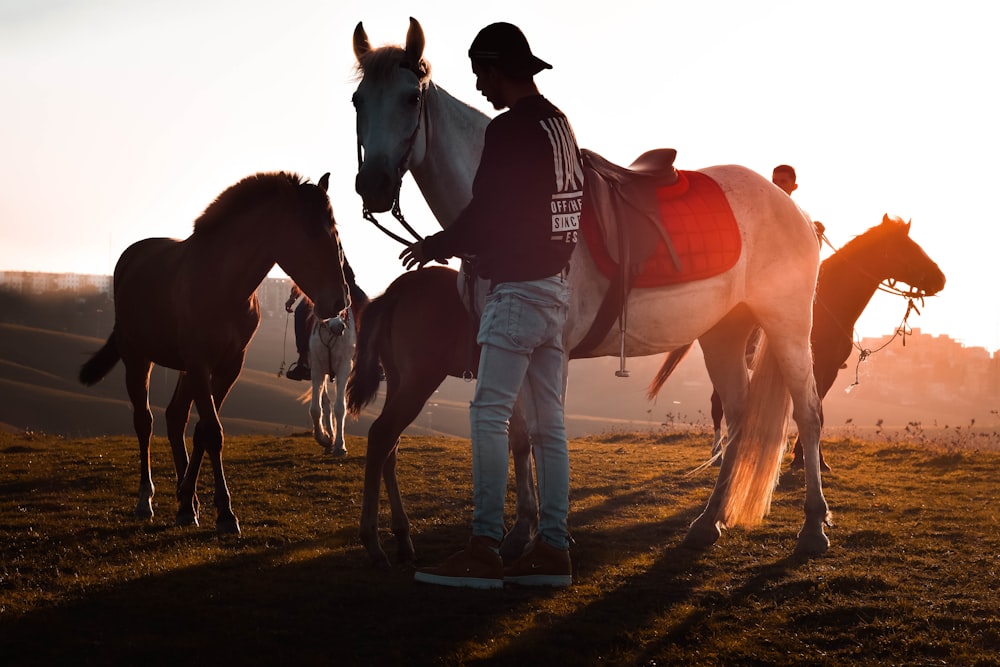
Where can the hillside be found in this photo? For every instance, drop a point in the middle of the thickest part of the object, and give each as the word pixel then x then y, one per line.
pixel 40 392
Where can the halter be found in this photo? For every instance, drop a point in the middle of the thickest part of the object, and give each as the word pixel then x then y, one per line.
pixel 903 330
pixel 401 169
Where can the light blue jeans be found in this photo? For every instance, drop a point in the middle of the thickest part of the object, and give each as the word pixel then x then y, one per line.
pixel 521 333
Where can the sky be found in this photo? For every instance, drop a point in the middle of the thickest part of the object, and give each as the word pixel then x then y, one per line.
pixel 121 120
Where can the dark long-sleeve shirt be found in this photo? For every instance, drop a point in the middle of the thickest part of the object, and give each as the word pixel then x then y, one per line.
pixel 524 217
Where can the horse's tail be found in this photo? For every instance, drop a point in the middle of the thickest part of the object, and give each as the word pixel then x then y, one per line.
pixel 363 382
pixel 757 446
pixel 306 396
pixel 99 365
pixel 670 363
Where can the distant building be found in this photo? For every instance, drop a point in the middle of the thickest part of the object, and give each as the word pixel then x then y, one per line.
pixel 272 293
pixel 37 282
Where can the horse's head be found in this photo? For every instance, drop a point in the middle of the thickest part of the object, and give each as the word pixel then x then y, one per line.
pixel 308 250
pixel 906 261
pixel 388 103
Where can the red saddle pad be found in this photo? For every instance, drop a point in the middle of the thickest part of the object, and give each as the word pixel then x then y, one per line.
pixel 697 218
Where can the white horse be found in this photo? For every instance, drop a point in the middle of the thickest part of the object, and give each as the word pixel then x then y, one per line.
pixel 331 355
pixel 405 122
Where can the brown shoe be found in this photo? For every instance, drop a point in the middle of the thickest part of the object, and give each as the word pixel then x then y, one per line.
pixel 540 565
pixel 478 565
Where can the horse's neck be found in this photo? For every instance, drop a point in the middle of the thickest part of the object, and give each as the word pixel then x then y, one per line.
pixel 846 285
pixel 237 275
pixel 453 133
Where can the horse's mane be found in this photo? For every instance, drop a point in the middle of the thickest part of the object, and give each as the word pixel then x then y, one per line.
pixel 860 243
pixel 236 196
pixel 381 63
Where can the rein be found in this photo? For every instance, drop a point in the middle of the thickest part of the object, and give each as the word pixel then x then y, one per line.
pixel 404 165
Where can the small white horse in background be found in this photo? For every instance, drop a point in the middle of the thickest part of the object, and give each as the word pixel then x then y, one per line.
pixel 331 355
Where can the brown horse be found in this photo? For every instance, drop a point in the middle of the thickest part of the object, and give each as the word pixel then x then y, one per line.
pixel 191 305
pixel 420 333
pixel 847 281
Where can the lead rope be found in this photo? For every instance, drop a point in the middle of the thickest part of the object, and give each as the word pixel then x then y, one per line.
pixel 284 346
pixel 903 330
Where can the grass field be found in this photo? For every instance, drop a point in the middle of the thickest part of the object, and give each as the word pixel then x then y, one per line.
pixel 911 577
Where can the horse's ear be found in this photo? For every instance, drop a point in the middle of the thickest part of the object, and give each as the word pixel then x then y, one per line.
pixel 414 43
pixel 908 223
pixel 886 219
pixel 324 182
pixel 361 43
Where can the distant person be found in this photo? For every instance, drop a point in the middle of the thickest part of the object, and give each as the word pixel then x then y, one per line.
pixel 784 177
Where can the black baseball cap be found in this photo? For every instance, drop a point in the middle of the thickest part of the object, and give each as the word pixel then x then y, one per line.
pixel 505 44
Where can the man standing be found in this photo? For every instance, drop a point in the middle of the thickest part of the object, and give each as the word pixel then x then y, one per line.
pixel 522 226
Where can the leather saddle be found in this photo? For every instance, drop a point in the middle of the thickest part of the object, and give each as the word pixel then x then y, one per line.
pixel 622 204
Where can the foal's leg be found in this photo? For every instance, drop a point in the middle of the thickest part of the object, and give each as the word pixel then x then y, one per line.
pixel 209 438
pixel 316 406
pixel 403 403
pixel 178 412
pixel 339 408
pixel 137 386
pixel 319 362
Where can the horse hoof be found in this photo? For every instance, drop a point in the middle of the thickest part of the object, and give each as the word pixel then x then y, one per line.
pixel 812 543
pixel 701 535
pixel 144 511
pixel 824 467
pixel 406 553
pixel 230 526
pixel 185 519
pixel 338 452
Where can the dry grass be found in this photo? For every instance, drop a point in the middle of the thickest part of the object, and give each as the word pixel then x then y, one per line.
pixel 910 578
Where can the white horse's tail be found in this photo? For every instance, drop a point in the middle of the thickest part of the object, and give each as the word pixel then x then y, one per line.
pixel 756 451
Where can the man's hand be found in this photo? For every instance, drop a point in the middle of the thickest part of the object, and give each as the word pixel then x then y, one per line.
pixel 289 304
pixel 414 256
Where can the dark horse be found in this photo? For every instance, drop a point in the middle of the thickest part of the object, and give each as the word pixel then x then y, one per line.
pixel 419 331
pixel 191 305
pixel 847 281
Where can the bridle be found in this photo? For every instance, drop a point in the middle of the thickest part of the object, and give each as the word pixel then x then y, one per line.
pixel 401 169
pixel 902 331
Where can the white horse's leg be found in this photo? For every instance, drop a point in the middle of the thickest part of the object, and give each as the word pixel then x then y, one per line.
pixel 807 413
pixel 723 347
pixel 340 410
pixel 318 363
pixel 315 407
pixel 794 360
